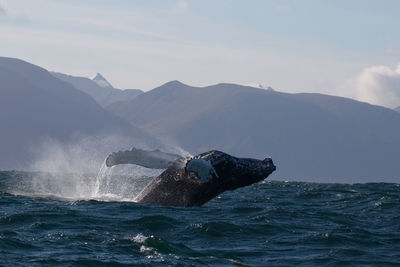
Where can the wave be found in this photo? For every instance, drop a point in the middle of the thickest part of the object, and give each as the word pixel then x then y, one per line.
pixel 270 223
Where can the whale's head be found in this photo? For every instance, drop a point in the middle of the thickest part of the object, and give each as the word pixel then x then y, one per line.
pixel 245 171
pixel 227 172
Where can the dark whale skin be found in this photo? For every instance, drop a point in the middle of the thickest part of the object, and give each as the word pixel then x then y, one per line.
pixel 180 186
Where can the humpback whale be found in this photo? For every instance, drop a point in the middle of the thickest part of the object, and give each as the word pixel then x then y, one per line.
pixel 192 181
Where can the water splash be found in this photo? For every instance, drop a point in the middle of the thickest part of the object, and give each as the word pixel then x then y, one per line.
pixel 122 182
pixel 77 170
pixel 102 180
pixel 118 183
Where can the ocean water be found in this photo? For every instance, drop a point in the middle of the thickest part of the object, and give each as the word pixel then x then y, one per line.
pixel 267 224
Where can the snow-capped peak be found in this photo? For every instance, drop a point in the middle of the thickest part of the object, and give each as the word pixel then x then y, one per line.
pixel 260 86
pixel 101 81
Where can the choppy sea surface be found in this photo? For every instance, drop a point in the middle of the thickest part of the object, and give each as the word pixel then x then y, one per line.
pixel 267 224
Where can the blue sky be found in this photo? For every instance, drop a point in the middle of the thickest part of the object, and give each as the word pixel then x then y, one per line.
pixel 294 46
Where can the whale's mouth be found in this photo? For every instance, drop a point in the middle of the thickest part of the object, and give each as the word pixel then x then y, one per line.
pixel 269 163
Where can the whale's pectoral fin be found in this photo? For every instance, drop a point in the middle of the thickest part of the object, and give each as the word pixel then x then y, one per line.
pixel 149 159
pixel 203 169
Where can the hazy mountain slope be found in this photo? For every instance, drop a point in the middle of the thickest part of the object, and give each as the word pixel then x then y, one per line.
pixel 397 109
pixel 34 106
pixel 99 89
pixel 121 96
pixel 310 136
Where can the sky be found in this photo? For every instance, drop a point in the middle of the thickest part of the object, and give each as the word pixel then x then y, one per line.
pixel 341 47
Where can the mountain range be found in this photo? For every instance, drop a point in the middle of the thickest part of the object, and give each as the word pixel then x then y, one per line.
pixel 311 137
pixel 99 88
pixel 35 107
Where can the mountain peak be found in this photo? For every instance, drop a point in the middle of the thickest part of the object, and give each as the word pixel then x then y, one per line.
pixel 260 86
pixel 101 81
pixel 175 83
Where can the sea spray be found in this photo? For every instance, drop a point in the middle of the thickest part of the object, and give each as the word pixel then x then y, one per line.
pixel 107 185
pixel 76 170
pixel 118 183
pixel 102 180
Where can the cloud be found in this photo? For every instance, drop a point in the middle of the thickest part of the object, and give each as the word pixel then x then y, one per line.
pixel 378 85
pixel 182 4
pixel 115 26
pixel 11 15
pixel 3 11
